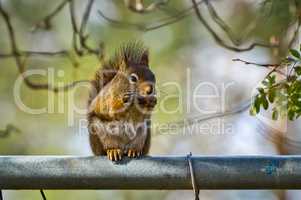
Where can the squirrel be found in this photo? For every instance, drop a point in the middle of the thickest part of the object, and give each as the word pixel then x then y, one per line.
pixel 120 104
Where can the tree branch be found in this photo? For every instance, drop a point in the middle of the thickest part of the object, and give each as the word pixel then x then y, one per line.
pixel 181 15
pixel 219 40
pixel 20 64
pixel 257 64
pixel 8 130
pixel 46 22
pixel 273 66
pixel 153 26
pixel 138 6
pixel 296 32
pixel 223 25
pixel 35 53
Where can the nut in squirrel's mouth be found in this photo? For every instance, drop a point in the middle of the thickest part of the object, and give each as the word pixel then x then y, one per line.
pixel 148 101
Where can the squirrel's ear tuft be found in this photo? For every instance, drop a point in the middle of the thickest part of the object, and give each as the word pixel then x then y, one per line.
pixel 135 52
pixel 144 58
pixel 132 53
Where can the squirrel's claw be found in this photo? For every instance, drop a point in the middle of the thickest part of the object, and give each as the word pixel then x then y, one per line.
pixel 133 153
pixel 109 154
pixel 114 154
pixel 119 152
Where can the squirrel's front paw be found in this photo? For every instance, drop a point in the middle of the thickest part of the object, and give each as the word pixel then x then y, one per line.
pixel 132 153
pixel 114 154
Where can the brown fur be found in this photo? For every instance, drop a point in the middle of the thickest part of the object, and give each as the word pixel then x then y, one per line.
pixel 107 106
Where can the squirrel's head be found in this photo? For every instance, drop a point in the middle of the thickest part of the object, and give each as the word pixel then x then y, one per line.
pixel 133 65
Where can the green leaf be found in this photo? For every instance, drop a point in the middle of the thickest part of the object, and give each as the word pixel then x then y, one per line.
pixel 298 70
pixel 295 53
pixel 257 103
pixel 275 115
pixel 260 90
pixel 295 98
pixel 265 103
pixel 292 78
pixel 265 83
pixel 272 95
pixel 297 86
pixel 272 79
pixel 291 115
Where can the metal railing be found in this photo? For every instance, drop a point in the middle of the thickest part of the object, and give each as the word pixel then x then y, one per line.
pixel 150 173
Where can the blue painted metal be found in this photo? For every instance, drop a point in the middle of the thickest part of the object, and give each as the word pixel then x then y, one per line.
pixel 211 172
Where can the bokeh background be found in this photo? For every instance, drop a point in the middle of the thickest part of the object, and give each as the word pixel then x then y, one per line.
pixel 183 52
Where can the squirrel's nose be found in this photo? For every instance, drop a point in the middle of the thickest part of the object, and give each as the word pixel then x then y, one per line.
pixel 147 90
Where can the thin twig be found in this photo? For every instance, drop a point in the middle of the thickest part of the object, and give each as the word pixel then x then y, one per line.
pixel 295 35
pixel 47 20
pixel 223 25
pixel 82 37
pixel 86 17
pixel 219 40
pixel 153 26
pixel 35 53
pixel 142 27
pixel 273 66
pixel 137 6
pixel 257 64
pixel 9 130
pixel 73 16
pixel 79 32
pixel 75 29
pixel 181 15
pixel 62 53
pixel 20 64
pixel 296 32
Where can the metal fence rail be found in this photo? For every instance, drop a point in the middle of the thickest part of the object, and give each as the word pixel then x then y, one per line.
pixel 237 172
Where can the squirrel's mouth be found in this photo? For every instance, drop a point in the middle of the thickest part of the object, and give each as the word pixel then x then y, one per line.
pixel 148 101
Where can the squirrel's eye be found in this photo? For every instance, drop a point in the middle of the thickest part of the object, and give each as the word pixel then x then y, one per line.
pixel 133 78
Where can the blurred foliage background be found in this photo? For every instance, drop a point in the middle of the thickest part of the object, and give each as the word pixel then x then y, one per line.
pixel 185 52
